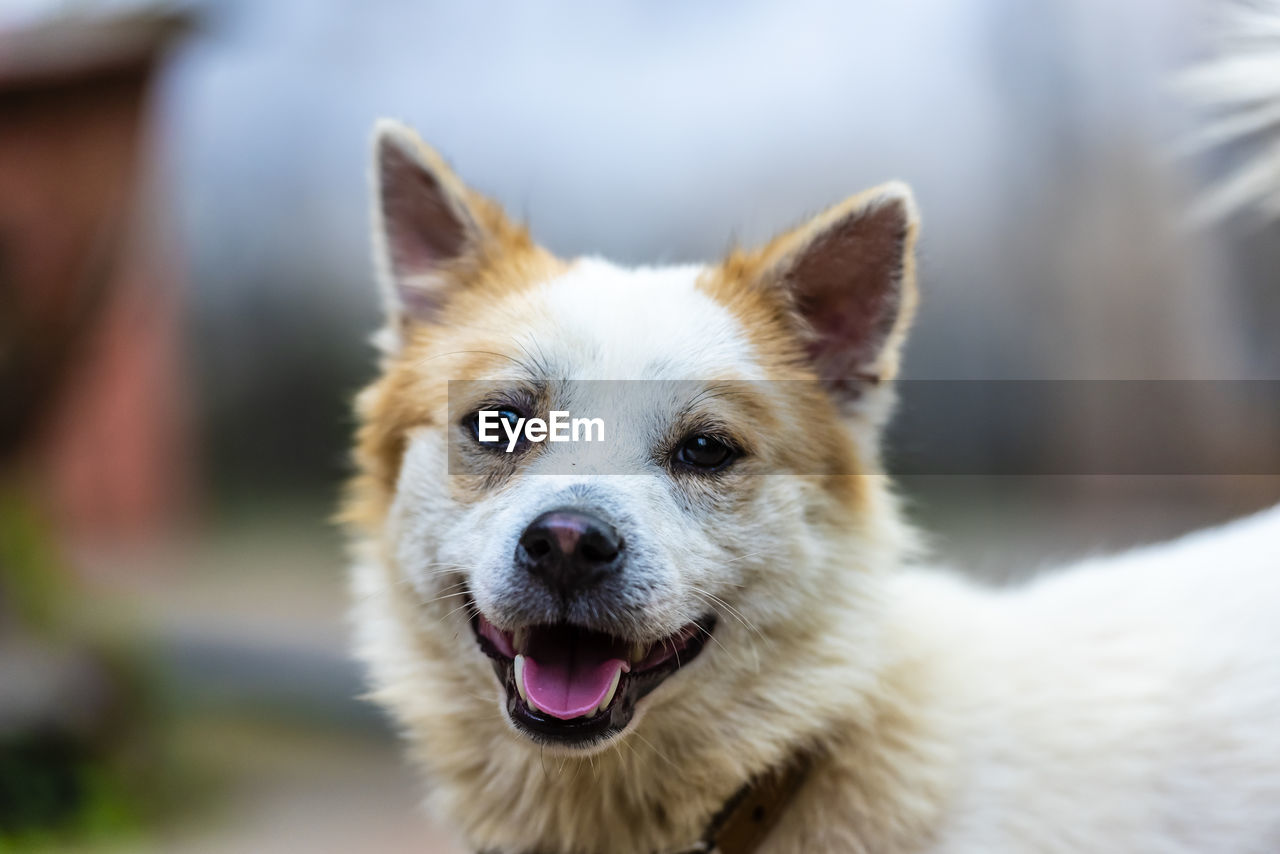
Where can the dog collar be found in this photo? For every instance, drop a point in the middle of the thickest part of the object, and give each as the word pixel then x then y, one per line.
pixel 743 823
pixel 745 820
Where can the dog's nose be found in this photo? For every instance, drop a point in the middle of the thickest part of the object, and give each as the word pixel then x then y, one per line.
pixel 569 550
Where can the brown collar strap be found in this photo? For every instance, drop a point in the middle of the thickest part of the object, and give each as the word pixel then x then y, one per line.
pixel 743 823
pixel 745 820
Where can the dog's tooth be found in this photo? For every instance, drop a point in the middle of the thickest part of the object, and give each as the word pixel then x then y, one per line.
pixel 608 695
pixel 520 678
pixel 639 651
pixel 520 639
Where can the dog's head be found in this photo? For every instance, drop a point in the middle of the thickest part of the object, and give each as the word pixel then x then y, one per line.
pixel 723 524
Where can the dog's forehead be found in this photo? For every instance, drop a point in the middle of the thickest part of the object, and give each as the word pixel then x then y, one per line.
pixel 602 321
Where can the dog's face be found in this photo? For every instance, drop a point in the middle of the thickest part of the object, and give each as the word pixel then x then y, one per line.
pixel 704 522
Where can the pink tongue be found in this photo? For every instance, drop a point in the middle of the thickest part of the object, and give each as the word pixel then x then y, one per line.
pixel 567 673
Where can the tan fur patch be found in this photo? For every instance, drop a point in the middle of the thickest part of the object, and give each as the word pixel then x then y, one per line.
pixel 413 389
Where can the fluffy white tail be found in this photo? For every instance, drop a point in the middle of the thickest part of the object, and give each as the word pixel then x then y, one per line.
pixel 1240 91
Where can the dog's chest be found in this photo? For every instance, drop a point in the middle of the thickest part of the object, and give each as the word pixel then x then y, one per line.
pixel 743 823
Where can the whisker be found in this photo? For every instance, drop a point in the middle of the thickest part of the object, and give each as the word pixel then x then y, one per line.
pixel 463 607
pixel 655 749
pixel 454 586
pixel 732 654
pixel 577 767
pixel 732 611
pixel 711 637
pixel 445 596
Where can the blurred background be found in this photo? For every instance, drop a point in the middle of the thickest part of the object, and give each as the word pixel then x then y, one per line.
pixel 185 303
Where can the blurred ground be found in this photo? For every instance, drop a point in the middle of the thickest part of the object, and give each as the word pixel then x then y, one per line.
pixel 281 785
pixel 267 733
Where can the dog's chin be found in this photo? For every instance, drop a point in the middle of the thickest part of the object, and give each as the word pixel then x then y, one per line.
pixel 576 688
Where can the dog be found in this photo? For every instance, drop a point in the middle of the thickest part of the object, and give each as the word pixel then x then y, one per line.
pixel 721 634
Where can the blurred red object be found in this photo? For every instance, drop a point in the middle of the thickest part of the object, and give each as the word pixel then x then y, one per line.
pixel 90 383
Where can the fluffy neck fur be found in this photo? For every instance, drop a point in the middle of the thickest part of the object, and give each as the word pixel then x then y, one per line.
pixel 847 704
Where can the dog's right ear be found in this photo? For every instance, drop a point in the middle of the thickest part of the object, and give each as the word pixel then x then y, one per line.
pixel 427 234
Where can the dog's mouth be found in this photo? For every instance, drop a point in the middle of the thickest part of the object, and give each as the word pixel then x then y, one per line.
pixel 574 686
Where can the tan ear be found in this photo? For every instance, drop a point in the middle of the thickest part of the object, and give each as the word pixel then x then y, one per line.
pixel 849 275
pixel 427 231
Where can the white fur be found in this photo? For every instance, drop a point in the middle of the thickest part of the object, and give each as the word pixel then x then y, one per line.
pixel 1239 90
pixel 651 323
pixel 1123 704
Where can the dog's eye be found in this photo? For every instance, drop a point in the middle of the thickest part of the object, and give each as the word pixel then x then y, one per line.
pixel 498 429
pixel 706 453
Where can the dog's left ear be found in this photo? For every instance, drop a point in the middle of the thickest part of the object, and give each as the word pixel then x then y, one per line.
pixel 848 276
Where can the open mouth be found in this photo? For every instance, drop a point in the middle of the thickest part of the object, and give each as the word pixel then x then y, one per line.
pixel 572 685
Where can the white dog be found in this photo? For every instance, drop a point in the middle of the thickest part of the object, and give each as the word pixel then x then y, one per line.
pixel 712 631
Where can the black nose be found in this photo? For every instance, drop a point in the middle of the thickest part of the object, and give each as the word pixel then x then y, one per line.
pixel 569 550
